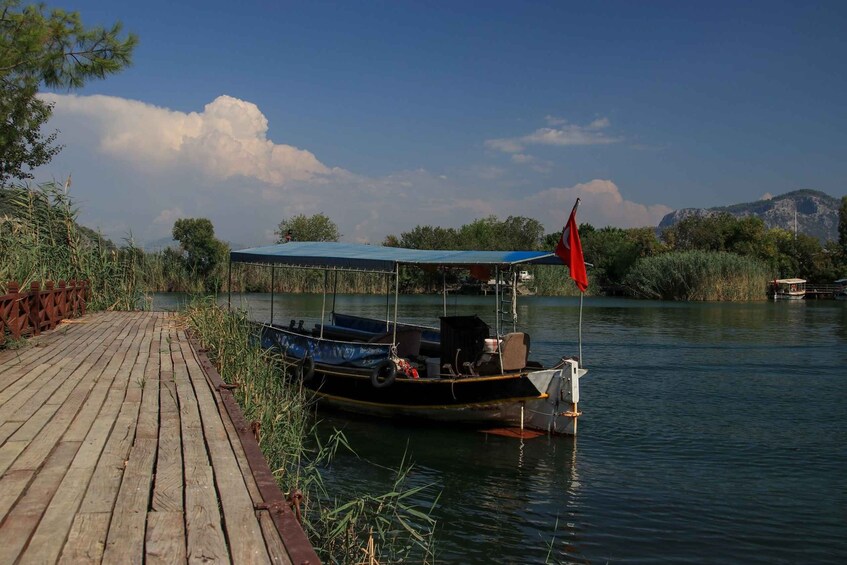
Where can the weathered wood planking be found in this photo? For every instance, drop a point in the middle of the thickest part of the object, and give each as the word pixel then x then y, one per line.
pixel 92 426
pixel 243 529
pixel 45 347
pixel 115 448
pixel 165 542
pixel 55 369
pixel 24 517
pixel 168 490
pixel 205 537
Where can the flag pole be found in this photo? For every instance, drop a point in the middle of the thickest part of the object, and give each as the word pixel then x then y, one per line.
pixel 570 252
pixel 581 296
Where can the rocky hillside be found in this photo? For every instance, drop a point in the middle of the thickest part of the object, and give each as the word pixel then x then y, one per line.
pixel 817 213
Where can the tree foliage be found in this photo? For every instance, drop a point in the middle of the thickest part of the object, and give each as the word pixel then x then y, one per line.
pixel 308 228
pixel 491 233
pixel 613 251
pixel 202 252
pixel 52 49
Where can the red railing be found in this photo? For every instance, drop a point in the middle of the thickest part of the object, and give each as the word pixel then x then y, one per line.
pixel 37 310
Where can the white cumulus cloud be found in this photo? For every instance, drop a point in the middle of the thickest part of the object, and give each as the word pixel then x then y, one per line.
pixel 602 204
pixel 137 168
pixel 227 139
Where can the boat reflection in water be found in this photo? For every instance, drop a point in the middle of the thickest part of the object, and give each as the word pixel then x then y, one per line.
pixel 494 493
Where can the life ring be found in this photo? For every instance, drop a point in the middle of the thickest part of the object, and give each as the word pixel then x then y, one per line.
pixel 307 368
pixel 384 374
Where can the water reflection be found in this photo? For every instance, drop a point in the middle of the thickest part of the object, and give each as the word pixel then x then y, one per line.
pixel 711 432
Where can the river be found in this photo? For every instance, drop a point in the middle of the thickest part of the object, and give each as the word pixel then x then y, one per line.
pixel 711 433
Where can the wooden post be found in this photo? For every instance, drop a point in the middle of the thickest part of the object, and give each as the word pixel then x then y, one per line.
pixel 84 292
pixel 15 311
pixel 62 300
pixel 34 309
pixel 49 302
pixel 8 311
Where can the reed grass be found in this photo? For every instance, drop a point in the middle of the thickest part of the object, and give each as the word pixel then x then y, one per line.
pixel 40 240
pixel 387 527
pixel 699 276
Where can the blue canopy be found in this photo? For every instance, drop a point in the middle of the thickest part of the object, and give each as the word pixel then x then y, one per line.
pixel 381 259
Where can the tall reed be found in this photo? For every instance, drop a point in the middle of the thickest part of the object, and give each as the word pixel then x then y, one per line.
pixel 343 528
pixel 699 275
pixel 41 240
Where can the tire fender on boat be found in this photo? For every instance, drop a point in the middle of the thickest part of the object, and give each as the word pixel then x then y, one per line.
pixel 384 374
pixel 307 368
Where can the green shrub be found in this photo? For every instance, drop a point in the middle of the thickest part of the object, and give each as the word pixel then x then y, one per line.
pixel 699 275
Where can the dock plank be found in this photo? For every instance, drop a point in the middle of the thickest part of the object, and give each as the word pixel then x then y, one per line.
pixel 243 530
pixel 17 399
pixel 115 448
pixel 125 543
pixel 165 543
pixel 206 542
pixel 19 524
pixel 49 537
pixel 84 543
pixel 11 486
pixel 42 349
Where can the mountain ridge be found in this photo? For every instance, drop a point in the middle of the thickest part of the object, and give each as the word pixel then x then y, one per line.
pixel 816 213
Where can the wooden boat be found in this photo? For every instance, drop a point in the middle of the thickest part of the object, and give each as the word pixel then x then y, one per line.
pixel 788 289
pixel 462 371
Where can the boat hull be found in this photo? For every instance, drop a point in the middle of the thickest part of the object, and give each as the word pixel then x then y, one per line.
pixel 790 296
pixel 343 375
pixel 541 400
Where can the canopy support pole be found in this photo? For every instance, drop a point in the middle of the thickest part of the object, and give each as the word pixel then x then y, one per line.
pixel 387 298
pixel 444 289
pixel 273 285
pixel 323 303
pixel 514 301
pixel 497 301
pixel 334 289
pixel 396 299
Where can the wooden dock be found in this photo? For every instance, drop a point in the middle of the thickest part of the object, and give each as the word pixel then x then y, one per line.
pixel 118 446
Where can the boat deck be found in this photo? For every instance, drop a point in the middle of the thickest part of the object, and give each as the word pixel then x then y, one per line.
pixel 118 445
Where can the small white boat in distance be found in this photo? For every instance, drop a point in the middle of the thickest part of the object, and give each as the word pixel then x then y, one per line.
pixel 841 289
pixel 791 289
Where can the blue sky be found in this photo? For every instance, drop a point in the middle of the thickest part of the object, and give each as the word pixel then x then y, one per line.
pixel 389 115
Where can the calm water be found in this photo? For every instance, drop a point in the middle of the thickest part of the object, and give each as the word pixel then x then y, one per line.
pixel 712 433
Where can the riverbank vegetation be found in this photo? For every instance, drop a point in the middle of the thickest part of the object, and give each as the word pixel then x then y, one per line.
pixel 41 240
pixel 698 275
pixel 343 527
pixel 716 257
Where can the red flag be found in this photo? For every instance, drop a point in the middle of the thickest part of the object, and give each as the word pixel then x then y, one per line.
pixel 569 250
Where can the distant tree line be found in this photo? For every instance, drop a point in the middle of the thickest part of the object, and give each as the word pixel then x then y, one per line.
pixel 718 257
